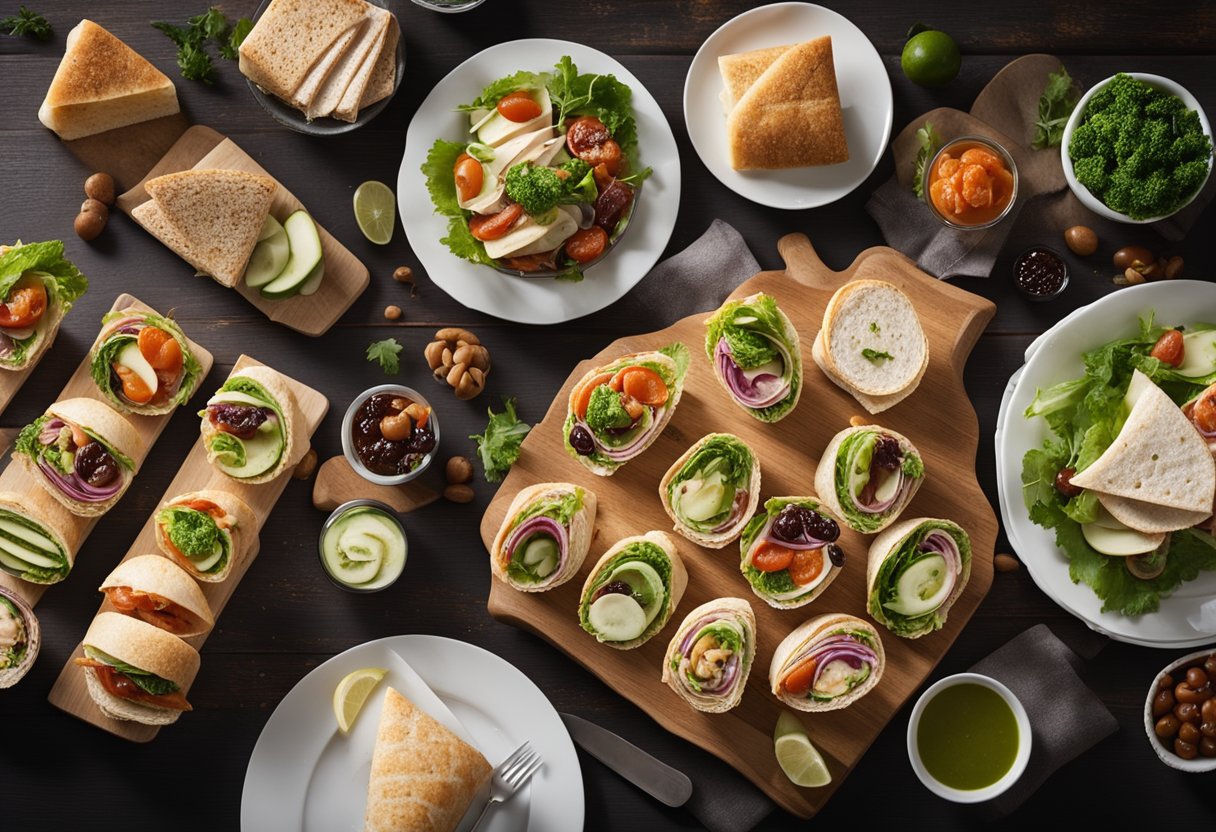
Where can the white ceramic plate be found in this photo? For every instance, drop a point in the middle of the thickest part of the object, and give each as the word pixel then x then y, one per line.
pixel 304 775
pixel 537 300
pixel 1187 617
pixel 865 96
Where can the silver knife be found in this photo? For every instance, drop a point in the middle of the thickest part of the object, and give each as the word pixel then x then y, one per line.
pixel 662 782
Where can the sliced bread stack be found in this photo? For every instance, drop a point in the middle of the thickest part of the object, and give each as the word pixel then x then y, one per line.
pixel 871 344
pixel 323 57
pixel 210 217
pixel 102 84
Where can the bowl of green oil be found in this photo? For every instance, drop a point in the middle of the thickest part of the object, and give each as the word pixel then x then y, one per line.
pixel 969 738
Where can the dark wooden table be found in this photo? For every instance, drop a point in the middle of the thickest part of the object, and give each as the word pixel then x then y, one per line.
pixel 286 617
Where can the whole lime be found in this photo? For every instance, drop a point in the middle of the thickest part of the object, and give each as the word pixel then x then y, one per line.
pixel 931 58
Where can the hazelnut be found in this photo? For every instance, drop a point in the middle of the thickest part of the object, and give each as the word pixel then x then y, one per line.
pixel 458 470
pixel 1082 240
pixel 1005 563
pixel 1173 267
pixel 457 358
pixel 100 186
pixel 89 224
pixel 459 493
pixel 392 313
pixel 91 205
pixel 858 421
pixel 306 466
pixel 403 274
pixel 1128 256
pixel 1133 276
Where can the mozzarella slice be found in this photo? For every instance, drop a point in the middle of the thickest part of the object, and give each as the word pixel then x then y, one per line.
pixel 530 237
pixel 495 129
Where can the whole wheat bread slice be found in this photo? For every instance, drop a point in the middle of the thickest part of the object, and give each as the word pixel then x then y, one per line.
pixel 348 106
pixel 320 71
pixel 290 37
pixel 218 213
pixel 741 70
pixel 384 75
pixel 329 96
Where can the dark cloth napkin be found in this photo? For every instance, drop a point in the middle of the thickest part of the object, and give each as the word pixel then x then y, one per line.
pixel 1066 717
pixel 1005 111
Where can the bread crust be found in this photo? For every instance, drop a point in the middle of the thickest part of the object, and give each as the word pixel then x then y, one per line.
pixel 162 576
pixel 144 646
pixel 730 534
pixel 582 527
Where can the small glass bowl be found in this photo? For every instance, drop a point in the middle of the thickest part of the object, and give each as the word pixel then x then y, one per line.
pixel 1031 296
pixel 348 445
pixel 449 7
pixel 987 144
pixel 334 517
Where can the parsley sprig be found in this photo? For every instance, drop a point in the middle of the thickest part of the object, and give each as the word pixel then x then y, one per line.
pixel 386 352
pixel 26 23
pixel 191 41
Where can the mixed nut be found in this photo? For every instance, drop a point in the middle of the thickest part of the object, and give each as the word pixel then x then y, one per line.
pixel 456 357
pixel 95 210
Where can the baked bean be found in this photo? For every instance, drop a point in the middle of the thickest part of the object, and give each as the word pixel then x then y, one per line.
pixel 1209 664
pixel 1167 727
pixel 1187 711
pixel 1187 732
pixel 1164 702
pixel 1207 747
pixel 1167 681
pixel 1185 750
pixel 1185 693
pixel 1196 678
pixel 1209 710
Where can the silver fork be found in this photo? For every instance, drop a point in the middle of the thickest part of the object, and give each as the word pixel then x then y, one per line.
pixel 509 775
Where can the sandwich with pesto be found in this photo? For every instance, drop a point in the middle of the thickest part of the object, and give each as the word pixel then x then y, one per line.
pixel 867 475
pixel 756 357
pixel 34 535
pixel 207 533
pixel 632 590
pixel 545 536
pixel 712 490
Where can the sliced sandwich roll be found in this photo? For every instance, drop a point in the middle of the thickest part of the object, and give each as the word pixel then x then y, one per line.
pixel 917 570
pixel 82 452
pixel 20 637
pixel 206 533
pixel 616 411
pixel 789 553
pixel 34 530
pixel 135 671
pixel 545 536
pixel 827 663
pixel 712 490
pixel 142 362
pixel 158 591
pixel 867 475
pixel 632 590
pixel 710 656
pixel 37 288
pixel 756 357
pixel 252 427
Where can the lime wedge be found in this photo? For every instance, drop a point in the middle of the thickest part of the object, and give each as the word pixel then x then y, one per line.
pixel 375 211
pixel 352 692
pixel 800 760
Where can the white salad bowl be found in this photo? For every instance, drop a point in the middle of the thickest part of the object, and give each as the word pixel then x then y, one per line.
pixel 1199 764
pixel 1083 193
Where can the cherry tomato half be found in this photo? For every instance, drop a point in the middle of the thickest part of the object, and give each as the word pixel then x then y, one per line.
pixel 25 305
pixel 518 106
pixel 469 177
pixel 495 226
pixel 586 244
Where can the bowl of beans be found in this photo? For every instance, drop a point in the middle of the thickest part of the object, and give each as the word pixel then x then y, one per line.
pixel 1180 712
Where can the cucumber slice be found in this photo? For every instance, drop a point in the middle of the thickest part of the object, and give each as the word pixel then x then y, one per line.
pixel 269 256
pixel 645 583
pixel 28 555
pixel 270 227
pixel 208 563
pixel 305 254
pixel 699 499
pixel 13 564
pixel 617 617
pixel 922 587
pixel 313 283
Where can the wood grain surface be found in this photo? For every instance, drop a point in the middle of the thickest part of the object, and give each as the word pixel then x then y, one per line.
pixel 17 478
pixel 337 483
pixel 269 638
pixel 196 474
pixel 938 419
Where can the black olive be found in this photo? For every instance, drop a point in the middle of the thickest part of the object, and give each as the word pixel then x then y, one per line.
pixel 612 588
pixel 95 465
pixel 836 555
pixel 582 441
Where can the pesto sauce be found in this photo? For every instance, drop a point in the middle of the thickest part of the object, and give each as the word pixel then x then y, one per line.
pixel 967 737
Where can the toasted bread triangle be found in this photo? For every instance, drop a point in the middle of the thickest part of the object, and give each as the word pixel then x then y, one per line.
pixel 741 70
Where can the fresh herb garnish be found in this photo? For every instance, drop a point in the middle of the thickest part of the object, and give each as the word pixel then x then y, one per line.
pixel 930 140
pixel 874 327
pixel 499 445
pixel 191 41
pixel 876 357
pixel 1059 98
pixel 386 353
pixel 28 24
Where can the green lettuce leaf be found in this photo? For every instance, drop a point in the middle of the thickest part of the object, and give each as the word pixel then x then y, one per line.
pixel 67 282
pixel 562 509
pixel 229 451
pixel 147 682
pixel 590 94
pixel 500 89
pixel 440 181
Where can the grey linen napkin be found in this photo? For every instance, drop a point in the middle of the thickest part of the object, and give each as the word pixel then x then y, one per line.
pixel 1066 717
pixel 697 280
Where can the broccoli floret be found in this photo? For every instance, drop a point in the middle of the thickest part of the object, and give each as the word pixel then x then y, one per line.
pixel 192 532
pixel 1084 141
pixel 605 410
pixel 1091 172
pixel 537 189
pixel 577 169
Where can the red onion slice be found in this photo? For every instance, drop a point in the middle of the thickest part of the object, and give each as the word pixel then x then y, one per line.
pixel 535 525
pixel 765 390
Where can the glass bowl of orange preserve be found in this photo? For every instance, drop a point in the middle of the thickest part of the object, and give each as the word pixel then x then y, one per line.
pixel 971 183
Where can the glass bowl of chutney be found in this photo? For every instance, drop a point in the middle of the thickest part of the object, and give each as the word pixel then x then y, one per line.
pixel 384 437
pixel 971 183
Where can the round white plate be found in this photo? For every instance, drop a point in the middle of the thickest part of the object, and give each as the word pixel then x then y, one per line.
pixel 865 97
pixel 304 775
pixel 537 300
pixel 1187 617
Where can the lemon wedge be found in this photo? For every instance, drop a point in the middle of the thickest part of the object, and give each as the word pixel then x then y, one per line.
pixel 352 692
pixel 375 211
pixel 798 758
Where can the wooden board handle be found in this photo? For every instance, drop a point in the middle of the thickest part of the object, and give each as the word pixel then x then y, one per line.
pixel 803 264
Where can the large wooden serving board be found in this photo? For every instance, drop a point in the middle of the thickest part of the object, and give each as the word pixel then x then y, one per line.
pixel 345 276
pixel 938 418
pixel 81 384
pixel 69 692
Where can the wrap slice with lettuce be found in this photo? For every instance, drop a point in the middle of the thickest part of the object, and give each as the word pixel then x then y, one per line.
pixel 82 452
pixel 917 570
pixel 710 656
pixel 867 475
pixel 20 637
pixel 142 362
pixel 827 663
pixel 35 531
pixel 37 288
pixel 712 490
pixel 158 591
pixel 756 357
pixel 789 553
pixel 632 590
pixel 206 533
pixel 252 427
pixel 616 411
pixel 545 536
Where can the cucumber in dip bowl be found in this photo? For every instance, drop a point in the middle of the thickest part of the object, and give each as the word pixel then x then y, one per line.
pixel 363 546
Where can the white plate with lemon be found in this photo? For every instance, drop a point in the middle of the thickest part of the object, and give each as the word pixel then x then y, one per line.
pixel 305 774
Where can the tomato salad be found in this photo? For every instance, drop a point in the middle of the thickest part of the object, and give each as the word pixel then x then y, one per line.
pixel 548 182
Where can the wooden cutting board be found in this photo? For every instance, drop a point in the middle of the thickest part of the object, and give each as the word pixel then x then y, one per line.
pixel 938 418
pixel 69 692
pixel 16 478
pixel 345 276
